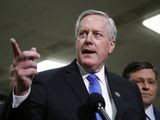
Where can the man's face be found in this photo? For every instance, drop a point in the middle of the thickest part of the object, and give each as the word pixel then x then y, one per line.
pixel 146 80
pixel 93 44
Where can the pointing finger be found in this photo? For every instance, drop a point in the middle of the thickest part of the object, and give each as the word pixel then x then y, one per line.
pixel 15 47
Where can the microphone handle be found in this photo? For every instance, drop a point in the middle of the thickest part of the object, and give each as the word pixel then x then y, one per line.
pixel 102 112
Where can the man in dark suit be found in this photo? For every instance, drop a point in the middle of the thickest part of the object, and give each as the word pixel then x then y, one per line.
pixel 145 76
pixel 61 94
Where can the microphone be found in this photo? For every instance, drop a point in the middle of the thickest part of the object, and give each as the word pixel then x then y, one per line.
pixel 97 104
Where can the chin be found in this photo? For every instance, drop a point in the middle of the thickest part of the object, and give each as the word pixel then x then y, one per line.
pixel 88 62
pixel 147 102
pixel 91 67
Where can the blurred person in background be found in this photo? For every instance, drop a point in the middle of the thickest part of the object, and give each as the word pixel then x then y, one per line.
pixel 145 76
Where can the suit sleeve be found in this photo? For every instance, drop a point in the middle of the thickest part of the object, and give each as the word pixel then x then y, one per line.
pixel 20 113
pixel 38 99
pixel 33 108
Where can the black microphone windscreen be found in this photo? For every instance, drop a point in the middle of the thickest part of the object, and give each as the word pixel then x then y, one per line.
pixel 94 99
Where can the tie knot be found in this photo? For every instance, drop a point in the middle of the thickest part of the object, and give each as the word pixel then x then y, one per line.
pixel 92 78
pixel 94 84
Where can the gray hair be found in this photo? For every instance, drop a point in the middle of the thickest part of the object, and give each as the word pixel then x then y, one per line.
pixel 111 25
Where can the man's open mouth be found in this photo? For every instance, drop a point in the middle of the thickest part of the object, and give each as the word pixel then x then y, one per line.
pixel 88 52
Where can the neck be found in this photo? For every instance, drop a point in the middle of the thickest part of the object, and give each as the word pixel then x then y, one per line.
pixel 146 106
pixel 90 69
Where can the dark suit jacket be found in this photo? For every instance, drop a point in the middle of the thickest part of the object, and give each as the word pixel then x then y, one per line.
pixel 156 113
pixel 1 108
pixel 60 94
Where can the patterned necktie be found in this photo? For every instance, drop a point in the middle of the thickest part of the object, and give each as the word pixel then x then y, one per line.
pixel 94 87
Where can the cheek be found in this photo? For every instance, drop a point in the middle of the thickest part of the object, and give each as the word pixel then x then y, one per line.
pixel 154 90
pixel 104 49
pixel 78 45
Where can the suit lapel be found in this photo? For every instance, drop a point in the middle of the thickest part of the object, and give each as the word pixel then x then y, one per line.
pixel 156 113
pixel 76 82
pixel 116 94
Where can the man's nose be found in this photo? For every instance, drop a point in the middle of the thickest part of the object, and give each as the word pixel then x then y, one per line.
pixel 145 86
pixel 89 38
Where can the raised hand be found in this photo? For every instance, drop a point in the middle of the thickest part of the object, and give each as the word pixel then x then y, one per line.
pixel 24 67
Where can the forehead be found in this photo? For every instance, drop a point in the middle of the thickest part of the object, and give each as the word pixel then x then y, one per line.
pixel 144 73
pixel 97 21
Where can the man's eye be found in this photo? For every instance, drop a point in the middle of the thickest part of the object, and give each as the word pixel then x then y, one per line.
pixel 137 81
pixel 82 33
pixel 97 35
pixel 151 82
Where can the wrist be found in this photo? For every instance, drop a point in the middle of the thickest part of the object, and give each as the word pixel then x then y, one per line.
pixel 20 91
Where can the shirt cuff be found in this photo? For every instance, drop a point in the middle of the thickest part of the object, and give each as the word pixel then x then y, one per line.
pixel 17 100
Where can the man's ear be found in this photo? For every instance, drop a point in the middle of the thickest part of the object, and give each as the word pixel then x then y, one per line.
pixel 112 45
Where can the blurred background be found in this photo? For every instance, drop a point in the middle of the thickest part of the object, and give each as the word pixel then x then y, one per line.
pixel 49 26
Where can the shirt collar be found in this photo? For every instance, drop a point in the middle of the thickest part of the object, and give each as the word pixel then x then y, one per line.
pixel 149 111
pixel 100 74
